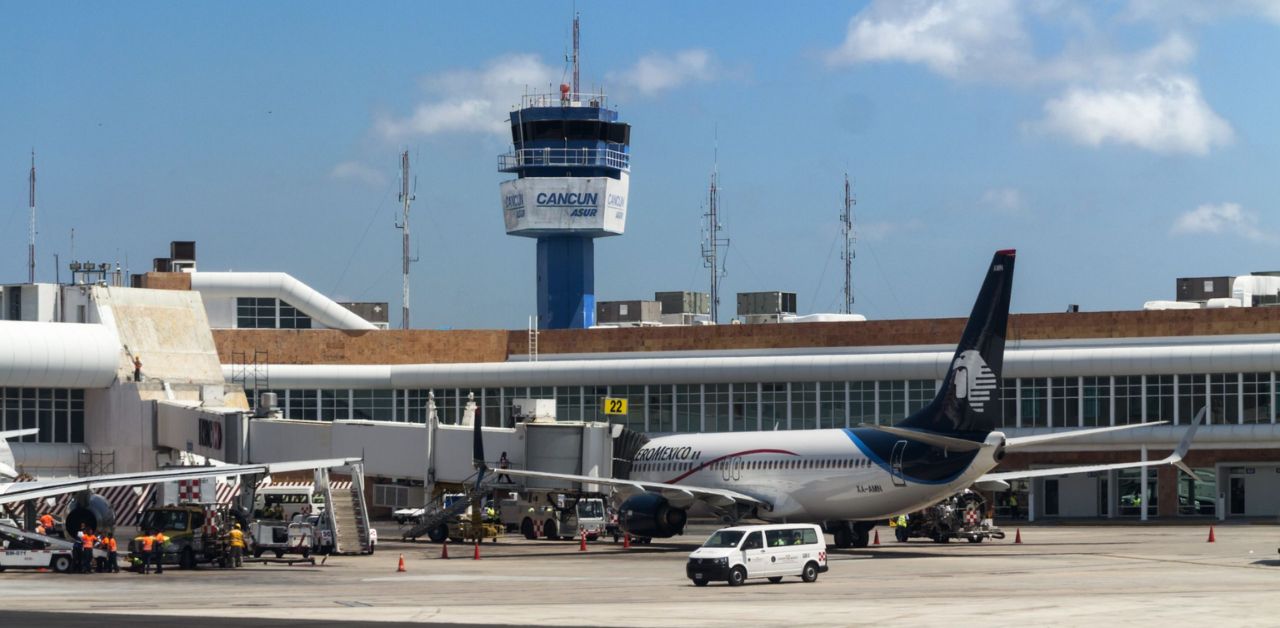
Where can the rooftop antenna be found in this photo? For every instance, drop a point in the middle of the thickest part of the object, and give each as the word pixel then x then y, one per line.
pixel 712 243
pixel 575 52
pixel 31 243
pixel 406 197
pixel 846 221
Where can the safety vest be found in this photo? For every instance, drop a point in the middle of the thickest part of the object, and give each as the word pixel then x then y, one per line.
pixel 111 544
pixel 146 542
pixel 87 541
pixel 237 538
pixel 161 539
pixel 902 521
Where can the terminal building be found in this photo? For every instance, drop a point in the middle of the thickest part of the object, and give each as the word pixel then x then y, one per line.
pixel 66 355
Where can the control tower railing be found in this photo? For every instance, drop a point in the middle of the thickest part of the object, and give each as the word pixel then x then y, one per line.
pixel 564 99
pixel 533 157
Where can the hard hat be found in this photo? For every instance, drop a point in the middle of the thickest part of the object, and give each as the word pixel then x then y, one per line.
pixel 237 526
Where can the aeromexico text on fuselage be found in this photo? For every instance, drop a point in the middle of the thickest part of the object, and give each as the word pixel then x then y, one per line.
pixel 921 463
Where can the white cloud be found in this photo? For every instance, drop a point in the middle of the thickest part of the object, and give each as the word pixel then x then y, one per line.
pixel 1224 218
pixel 356 171
pixel 1160 114
pixel 1143 97
pixel 1201 10
pixel 656 72
pixel 1005 200
pixel 471 101
pixel 955 38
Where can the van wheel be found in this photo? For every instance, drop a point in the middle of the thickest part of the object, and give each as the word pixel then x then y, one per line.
pixel 699 582
pixel 526 528
pixel 810 573
pixel 549 529
pixel 775 579
pixel 60 564
pixel 737 576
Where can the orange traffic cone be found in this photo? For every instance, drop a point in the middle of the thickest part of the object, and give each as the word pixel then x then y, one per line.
pixel 444 549
pixel 626 540
pixel 1017 538
pixel 477 554
pixel 401 567
pixel 582 547
pixel 877 539
pixel 1211 540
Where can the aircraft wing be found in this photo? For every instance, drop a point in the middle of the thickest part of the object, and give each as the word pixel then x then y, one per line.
pixel 676 493
pixel 1023 441
pixel 22 491
pixel 996 480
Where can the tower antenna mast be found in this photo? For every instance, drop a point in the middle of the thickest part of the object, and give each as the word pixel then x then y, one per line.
pixel 406 197
pixel 712 244
pixel 846 220
pixel 31 243
pixel 575 54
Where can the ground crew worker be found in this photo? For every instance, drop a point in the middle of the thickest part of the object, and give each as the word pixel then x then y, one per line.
pixel 86 550
pixel 39 528
pixel 503 463
pixel 137 369
pixel 113 559
pixel 77 551
pixel 902 521
pixel 158 550
pixel 46 521
pixel 237 546
pixel 1013 506
pixel 145 542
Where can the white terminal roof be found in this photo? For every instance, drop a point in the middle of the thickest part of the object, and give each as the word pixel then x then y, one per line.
pixel 58 355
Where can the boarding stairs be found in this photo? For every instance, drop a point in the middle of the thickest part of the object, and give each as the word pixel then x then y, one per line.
pixel 434 514
pixel 348 516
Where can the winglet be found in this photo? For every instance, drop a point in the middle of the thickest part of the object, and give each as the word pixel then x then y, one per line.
pixel 1185 443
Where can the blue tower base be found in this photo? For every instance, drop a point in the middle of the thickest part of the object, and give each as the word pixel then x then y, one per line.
pixel 566 282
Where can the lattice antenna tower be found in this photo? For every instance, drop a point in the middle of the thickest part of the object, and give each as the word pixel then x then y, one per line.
pixel 846 222
pixel 712 243
pixel 31 230
pixel 406 198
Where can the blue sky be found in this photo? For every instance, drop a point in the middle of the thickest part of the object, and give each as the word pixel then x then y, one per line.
pixel 1116 145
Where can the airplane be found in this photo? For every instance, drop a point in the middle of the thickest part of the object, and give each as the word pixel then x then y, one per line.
pixel 96 512
pixel 847 479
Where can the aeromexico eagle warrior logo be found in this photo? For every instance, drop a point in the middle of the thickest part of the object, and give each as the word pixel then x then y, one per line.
pixel 974 380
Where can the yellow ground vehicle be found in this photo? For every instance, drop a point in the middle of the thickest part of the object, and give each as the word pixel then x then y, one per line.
pixel 197 533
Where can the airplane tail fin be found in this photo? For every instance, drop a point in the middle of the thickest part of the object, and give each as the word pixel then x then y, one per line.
pixel 968 402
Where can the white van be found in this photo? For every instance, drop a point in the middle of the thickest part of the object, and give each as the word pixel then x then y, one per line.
pixel 763 551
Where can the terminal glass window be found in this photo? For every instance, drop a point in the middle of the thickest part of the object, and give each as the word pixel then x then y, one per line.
pixel 715 405
pixel 1198 496
pixel 773 406
pixel 661 409
pixel 1035 401
pixel 569 403
pixel 635 397
pixel 1224 398
pixel 1256 394
pixel 61 417
pixel 291 318
pixel 1064 401
pixel 831 405
pixel 1097 401
pixel 57 412
pixel 893 400
pixel 415 405
pixel 919 393
pixel 373 405
pixel 303 404
pixel 255 313
pixel 335 405
pixel 688 408
pixel 1159 398
pixel 491 407
pixel 509 395
pixel 1128 396
pixel 593 403
pixel 804 405
pixel 1191 397
pixel 1009 402
pixel 77 416
pixel 746 414
pixel 862 403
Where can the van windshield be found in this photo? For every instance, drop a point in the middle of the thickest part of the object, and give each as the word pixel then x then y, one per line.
pixel 724 538
pixel 590 510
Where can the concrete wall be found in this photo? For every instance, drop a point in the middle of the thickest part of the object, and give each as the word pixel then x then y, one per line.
pixel 167 329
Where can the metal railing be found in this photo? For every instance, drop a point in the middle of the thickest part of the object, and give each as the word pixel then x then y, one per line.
pixel 602 157
pixel 579 99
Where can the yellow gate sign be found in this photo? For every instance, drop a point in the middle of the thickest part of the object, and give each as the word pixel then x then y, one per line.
pixel 613 405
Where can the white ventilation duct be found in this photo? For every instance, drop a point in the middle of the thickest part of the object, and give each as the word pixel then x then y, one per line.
pixel 58 355
pixel 281 286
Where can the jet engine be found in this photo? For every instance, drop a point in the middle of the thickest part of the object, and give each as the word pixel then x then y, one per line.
pixel 651 515
pixel 93 511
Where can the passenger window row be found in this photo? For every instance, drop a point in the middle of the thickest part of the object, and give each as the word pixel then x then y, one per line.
pixel 753 465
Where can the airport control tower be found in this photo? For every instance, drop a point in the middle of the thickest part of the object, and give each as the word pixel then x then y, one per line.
pixel 571 158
